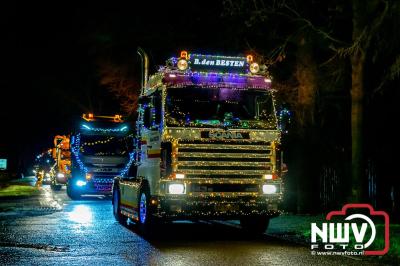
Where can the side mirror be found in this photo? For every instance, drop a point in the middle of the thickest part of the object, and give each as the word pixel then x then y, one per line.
pixel 284 117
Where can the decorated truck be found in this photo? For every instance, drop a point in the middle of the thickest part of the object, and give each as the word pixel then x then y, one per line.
pixel 61 169
pixel 207 145
pixel 101 148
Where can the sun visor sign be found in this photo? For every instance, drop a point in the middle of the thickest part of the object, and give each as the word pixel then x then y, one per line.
pixel 219 64
pixel 224 135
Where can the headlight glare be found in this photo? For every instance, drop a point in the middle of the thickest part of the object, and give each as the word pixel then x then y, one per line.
pixel 176 189
pixel 269 189
pixel 80 183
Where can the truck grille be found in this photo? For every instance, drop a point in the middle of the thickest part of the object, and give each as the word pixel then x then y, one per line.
pixel 221 159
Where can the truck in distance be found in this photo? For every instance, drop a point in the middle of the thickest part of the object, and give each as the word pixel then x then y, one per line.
pixel 101 148
pixel 61 169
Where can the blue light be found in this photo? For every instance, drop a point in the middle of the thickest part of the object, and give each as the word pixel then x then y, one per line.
pixel 128 165
pixel 80 183
pixel 75 151
pixel 86 127
pixel 124 128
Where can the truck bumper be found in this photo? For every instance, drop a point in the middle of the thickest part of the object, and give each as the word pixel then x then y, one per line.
pixel 93 187
pixel 222 207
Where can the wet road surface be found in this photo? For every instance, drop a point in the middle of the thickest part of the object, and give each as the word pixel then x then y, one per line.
pixel 84 232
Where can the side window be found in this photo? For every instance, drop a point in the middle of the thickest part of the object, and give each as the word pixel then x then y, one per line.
pixel 147 116
pixel 157 103
pixel 152 110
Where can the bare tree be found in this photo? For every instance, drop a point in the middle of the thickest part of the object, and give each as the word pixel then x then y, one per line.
pixel 119 80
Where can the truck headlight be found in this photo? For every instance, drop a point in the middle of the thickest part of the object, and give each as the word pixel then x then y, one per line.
pixel 176 189
pixel 60 175
pixel 80 183
pixel 182 64
pixel 269 189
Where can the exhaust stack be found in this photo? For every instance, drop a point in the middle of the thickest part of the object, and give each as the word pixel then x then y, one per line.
pixel 145 67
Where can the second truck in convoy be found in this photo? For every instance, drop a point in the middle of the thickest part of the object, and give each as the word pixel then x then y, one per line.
pixel 101 148
pixel 207 145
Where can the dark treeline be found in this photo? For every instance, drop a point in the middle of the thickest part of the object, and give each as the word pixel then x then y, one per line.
pixel 336 64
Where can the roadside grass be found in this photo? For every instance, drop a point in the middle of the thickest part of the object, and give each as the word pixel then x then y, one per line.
pixel 19 188
pixel 19 191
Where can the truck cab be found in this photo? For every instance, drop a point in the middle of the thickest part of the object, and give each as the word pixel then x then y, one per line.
pixel 101 148
pixel 207 145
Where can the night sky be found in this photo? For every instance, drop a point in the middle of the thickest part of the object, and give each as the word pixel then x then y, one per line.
pixel 52 52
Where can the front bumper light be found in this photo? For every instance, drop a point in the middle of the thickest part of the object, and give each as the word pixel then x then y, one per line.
pixel 268 176
pixel 179 176
pixel 269 189
pixel 176 189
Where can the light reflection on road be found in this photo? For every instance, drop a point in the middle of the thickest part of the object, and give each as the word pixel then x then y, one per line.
pixel 81 214
pixel 49 199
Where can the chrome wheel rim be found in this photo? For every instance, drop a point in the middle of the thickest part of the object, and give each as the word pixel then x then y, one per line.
pixel 143 208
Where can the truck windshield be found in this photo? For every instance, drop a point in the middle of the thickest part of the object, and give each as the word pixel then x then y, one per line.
pixel 220 107
pixel 100 145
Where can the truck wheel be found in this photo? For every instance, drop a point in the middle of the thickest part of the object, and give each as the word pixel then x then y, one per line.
pixel 145 221
pixel 117 208
pixel 72 193
pixel 255 225
pixel 55 187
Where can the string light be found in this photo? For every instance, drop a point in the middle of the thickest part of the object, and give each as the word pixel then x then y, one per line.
pixel 75 150
pixel 128 165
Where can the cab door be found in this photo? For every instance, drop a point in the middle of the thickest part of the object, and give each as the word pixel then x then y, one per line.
pixel 150 141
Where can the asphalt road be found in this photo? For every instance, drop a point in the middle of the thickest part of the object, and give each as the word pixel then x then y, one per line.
pixel 84 232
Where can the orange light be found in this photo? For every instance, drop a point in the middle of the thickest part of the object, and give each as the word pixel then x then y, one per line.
pixel 90 115
pixel 88 176
pixel 249 58
pixel 184 54
pixel 117 118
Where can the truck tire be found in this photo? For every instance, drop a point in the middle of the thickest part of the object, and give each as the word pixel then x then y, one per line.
pixel 72 193
pixel 55 187
pixel 145 221
pixel 117 208
pixel 255 225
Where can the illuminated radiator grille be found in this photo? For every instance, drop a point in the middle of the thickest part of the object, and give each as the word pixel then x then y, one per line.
pixel 102 184
pixel 224 159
